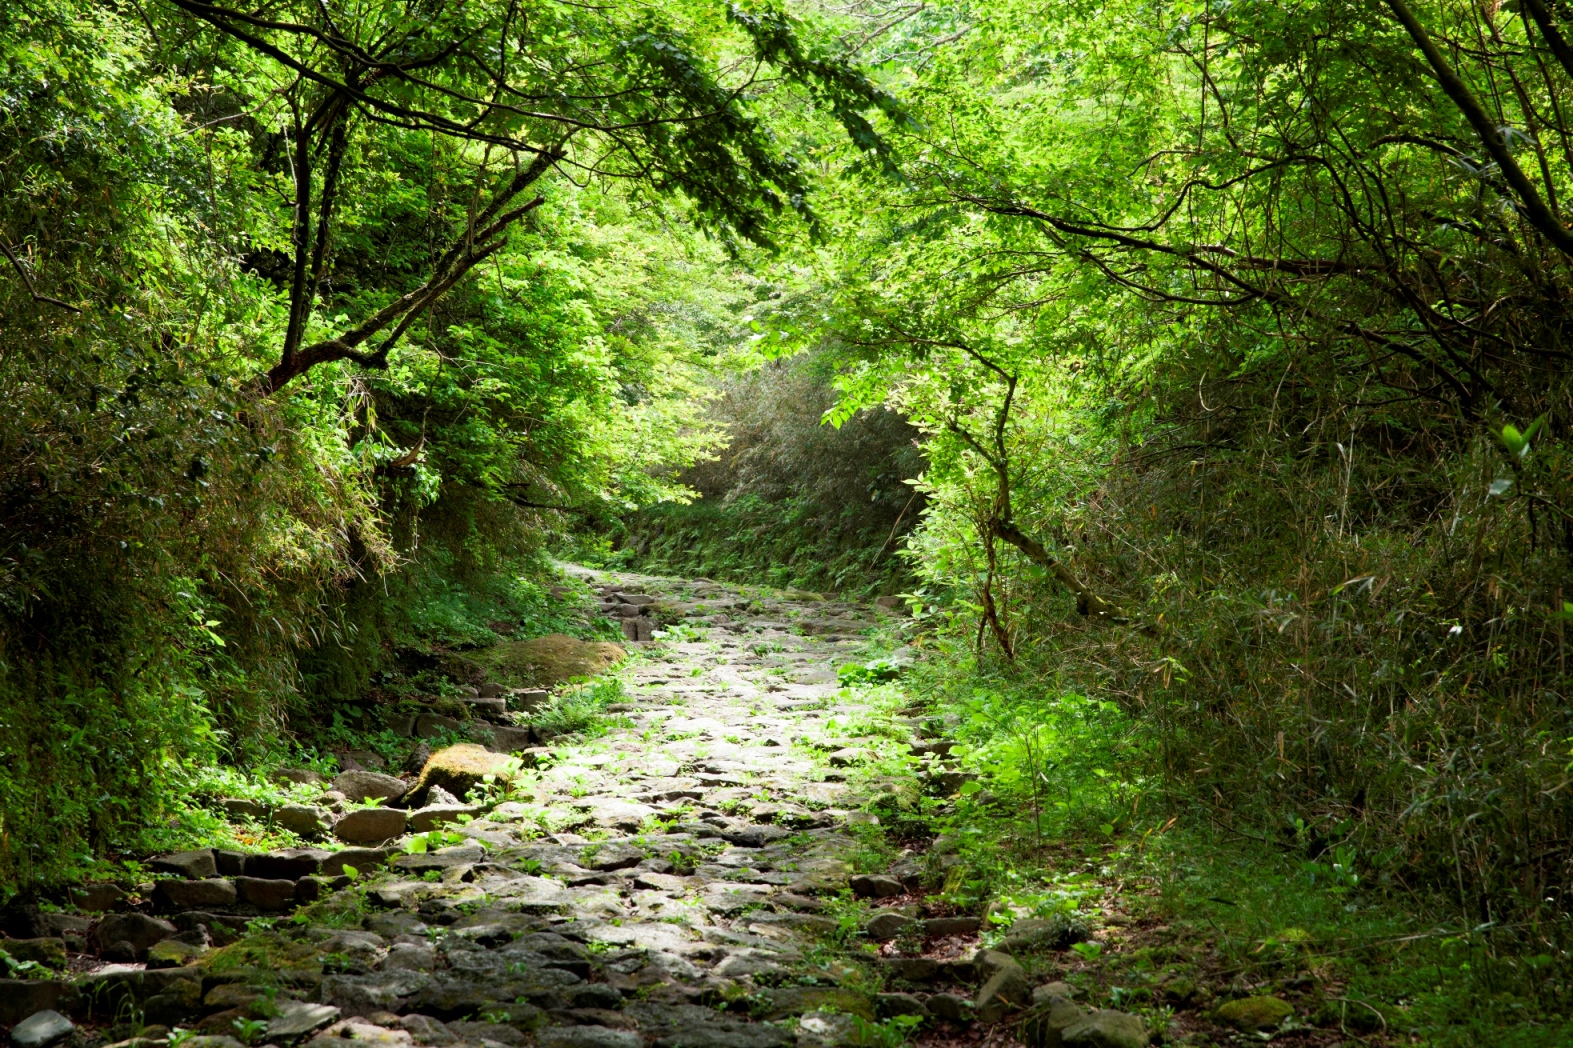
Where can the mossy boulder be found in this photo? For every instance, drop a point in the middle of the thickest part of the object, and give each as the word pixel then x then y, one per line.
pixel 798 1000
pixel 1251 1014
pixel 264 952
pixel 458 769
pixel 48 951
pixel 549 660
pixel 172 953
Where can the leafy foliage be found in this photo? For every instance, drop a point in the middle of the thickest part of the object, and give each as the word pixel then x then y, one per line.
pixel 320 324
pixel 1226 326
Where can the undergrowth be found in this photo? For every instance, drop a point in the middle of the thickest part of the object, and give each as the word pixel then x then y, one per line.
pixel 1063 814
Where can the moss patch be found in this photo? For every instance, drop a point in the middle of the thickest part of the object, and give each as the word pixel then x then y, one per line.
pixel 549 660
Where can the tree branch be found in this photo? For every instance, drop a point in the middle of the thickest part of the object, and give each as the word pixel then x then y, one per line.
pixel 1088 603
pixel 1529 202
pixel 459 259
pixel 27 282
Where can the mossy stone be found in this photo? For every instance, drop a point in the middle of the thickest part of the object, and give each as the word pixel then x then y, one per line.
pixel 172 953
pixel 1250 1014
pixel 457 769
pixel 799 1000
pixel 48 951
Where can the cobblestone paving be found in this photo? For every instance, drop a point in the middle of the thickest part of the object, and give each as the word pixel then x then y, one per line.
pixel 691 853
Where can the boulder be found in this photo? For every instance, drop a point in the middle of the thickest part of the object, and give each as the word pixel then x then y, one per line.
pixel 1105 1029
pixel 172 953
pixel 41 1029
pixel 295 1019
pixel 230 863
pixel 887 1005
pixel 363 859
pixel 482 706
pixel 243 808
pixel 139 930
pixel 887 925
pixel 369 785
pixel 849 757
pixel 1046 1024
pixel 876 886
pixel 20 998
pixel 1006 991
pixel 48 951
pixel 97 897
pixel 939 927
pixel 266 893
pixel 458 769
pixel 190 895
pixel 431 725
pixel 369 825
pixel 435 815
pixel 527 700
pixel 1060 932
pixel 300 776
pixel 797 1000
pixel 588 1037
pixel 910 969
pixel 192 865
pixel 427 1030
pixel 1251 1014
pixel 949 1007
pixel 501 738
pixel 287 865
pixel 303 819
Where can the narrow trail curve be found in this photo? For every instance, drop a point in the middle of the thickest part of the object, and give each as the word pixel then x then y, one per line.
pixel 693 854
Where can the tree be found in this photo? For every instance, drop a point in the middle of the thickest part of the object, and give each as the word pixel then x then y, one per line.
pixel 513 90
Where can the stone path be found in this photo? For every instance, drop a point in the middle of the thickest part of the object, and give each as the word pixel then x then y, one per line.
pixel 701 875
